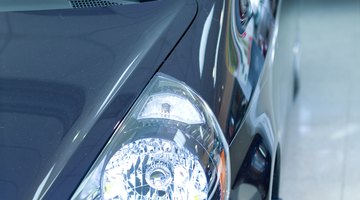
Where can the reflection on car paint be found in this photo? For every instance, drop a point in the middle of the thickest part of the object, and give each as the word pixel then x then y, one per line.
pixel 204 40
pixel 245 51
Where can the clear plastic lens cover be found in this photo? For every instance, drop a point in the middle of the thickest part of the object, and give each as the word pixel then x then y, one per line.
pixel 154 168
pixel 170 106
pixel 169 146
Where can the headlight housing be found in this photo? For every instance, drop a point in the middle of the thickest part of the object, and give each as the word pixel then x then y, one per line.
pixel 169 146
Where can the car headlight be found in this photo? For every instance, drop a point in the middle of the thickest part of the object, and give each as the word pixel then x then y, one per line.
pixel 169 146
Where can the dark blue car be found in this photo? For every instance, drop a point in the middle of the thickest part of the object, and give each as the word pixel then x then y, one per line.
pixel 139 99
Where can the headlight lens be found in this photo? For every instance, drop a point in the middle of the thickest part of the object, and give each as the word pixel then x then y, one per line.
pixel 154 168
pixel 169 146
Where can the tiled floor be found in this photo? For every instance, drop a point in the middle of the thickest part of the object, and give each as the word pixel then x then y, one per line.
pixel 321 152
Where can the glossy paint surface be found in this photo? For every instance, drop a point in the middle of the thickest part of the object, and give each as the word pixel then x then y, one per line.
pixel 223 65
pixel 71 75
pixel 236 73
pixel 67 77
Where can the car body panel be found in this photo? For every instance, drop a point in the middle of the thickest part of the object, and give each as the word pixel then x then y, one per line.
pixel 86 67
pixel 246 82
pixel 67 77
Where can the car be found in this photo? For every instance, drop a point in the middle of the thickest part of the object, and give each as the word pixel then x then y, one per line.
pixel 141 99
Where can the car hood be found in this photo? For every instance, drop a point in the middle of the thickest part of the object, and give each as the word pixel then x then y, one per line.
pixel 67 77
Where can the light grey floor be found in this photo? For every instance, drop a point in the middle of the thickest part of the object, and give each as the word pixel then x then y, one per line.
pixel 321 152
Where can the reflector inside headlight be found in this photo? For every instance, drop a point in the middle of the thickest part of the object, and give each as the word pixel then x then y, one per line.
pixel 154 168
pixel 169 146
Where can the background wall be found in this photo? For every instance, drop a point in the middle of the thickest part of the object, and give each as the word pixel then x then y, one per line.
pixel 321 151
